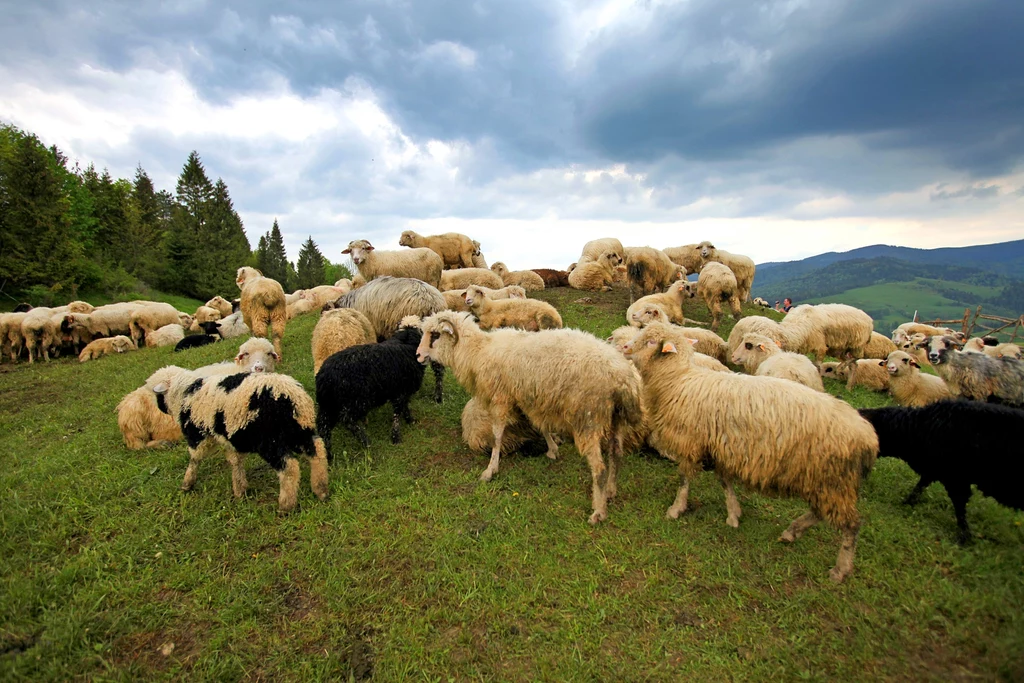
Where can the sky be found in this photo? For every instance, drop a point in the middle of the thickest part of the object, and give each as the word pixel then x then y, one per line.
pixel 778 130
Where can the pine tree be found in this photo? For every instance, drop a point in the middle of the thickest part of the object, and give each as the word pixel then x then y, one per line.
pixel 146 229
pixel 228 248
pixel 188 238
pixel 310 272
pixel 275 257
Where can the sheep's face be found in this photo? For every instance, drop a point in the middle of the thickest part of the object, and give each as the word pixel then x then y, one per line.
pixel 439 336
pixel 476 249
pixel 500 269
pixel 649 313
pixel 473 295
pixel 257 359
pixel 706 249
pixel 940 348
pixel 622 336
pixel 690 288
pixel 186 320
pixel 899 363
pixel 359 250
pixel 407 239
pixel 656 341
pixel 516 292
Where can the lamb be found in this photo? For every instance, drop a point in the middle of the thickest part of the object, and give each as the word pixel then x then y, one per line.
pixel 455 299
pixel 168 335
pixel 716 284
pixel 553 278
pixel 527 314
pixel 867 373
pixel 650 312
pixel 101 347
pixel 323 294
pixel 763 357
pixel 956 443
pixel 464 277
pixel 222 306
pixel 563 381
pixel 741 266
pixel 821 329
pixel 879 346
pixel 671 301
pixel 151 316
pixel 595 275
pixel 204 314
pixel 195 341
pixel 990 346
pixel 977 376
pixel 758 301
pixel 264 413
pixel 908 386
pixel 688 256
pixel 355 380
pixel 387 300
pixel 595 250
pixel 422 264
pixel 759 325
pixel 339 329
pixel 649 271
pixel 769 434
pixel 478 256
pixel 527 279
pixel 454 249
pixel 263 305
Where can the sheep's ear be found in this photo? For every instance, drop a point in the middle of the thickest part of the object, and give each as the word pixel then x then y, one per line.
pixel 913 363
pixel 447 327
pixel 693 342
pixel 464 295
pixel 761 347
pixel 881 363
pixel 347 251
pixel 160 388
pixel 275 356
pixel 368 247
pixel 669 347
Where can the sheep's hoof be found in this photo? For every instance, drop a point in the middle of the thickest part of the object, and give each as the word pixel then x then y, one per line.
pixel 552 455
pixel 734 522
pixel 674 512
pixel 789 537
pixel 837 575
pixel 486 475
pixel 598 516
pixel 965 538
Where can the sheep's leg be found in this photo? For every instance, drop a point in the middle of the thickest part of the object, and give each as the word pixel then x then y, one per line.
pixel 716 314
pixel 289 476
pixel 259 327
pixel 731 503
pixel 611 488
pixel 438 371
pixel 396 428
pixel 318 470
pixel 552 446
pixel 678 507
pixel 498 429
pixel 799 526
pixel 194 456
pixel 959 494
pixel 238 481
pixel 591 449
pixel 358 430
pixel 844 562
pixel 914 497
pixel 278 320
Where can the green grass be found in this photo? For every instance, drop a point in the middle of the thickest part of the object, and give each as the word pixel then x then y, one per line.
pixel 414 569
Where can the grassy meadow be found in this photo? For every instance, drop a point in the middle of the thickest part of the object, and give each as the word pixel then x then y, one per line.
pixel 413 569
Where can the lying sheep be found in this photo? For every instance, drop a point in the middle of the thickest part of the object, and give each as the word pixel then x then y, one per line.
pixel 671 301
pixel 772 435
pixel 455 299
pixel 716 284
pixel 649 271
pixel 264 413
pixel 323 294
pixel 339 329
pixel 833 370
pixel 977 376
pixel 152 316
pixel 464 277
pixel 596 275
pixel 757 324
pixel 563 381
pixel 990 346
pixel 908 330
pixel 650 312
pixel 908 386
pixel 527 314
pixel 478 256
pixel 195 341
pixel 355 380
pixel 422 264
pixel 101 347
pixel 527 279
pixel 763 357
pixel 454 249
pixel 221 305
pixel 688 256
pixel 203 314
pixel 955 443
pixel 344 283
pixel 594 250
pixel 168 335
pixel 553 278
pixel 229 327
pixel 879 346
pixel 867 373
pixel 263 305
pixel 294 297
pixel 301 307
pixel 821 329
pixel 741 266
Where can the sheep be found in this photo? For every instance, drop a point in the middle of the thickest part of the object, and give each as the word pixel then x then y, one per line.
pixel 101 347
pixel 908 386
pixel 553 278
pixel 38 331
pixel 976 376
pixel 594 250
pixel 518 436
pixel 80 307
pixel 763 357
pixel 649 271
pixel 204 314
pixel 758 301
pixel 229 327
pixel 913 347
pixel 708 342
pixel 455 299
pixel 464 277
pixel 527 279
pixel 650 312
pixel 168 335
pixel 387 300
pixel 358 281
pixel 770 434
pixel 300 307
pixel 11 340
pixel 821 329
pixel 294 297
pixel 990 346
pixel 671 302
pixel 867 373
pixel 478 256
pixel 741 266
pixel 422 264
pixel 955 443
pixel 344 283
pixel 595 275
pixel 879 346
pixel 265 413
pixel 323 294
pixel 151 316
pixel 688 256
pixel 454 249
pixel 563 381
pixel 109 320
pixel 263 306
pixel 833 370
pixel 621 336
pixel 195 341
pixel 716 284
pixel 758 324
pixel 141 422
pixel 339 329
pixel 527 314
pixel 355 380
pixel 222 305
pixel 908 330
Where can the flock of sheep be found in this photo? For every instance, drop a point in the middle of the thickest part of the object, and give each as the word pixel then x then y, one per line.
pixel 660 381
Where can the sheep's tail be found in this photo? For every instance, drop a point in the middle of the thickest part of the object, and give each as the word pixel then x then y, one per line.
pixel 636 270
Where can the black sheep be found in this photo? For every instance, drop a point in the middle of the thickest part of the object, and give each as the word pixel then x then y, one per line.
pixel 211 328
pixel 195 340
pixel 356 380
pixel 956 443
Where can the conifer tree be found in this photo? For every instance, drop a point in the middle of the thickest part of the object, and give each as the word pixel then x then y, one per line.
pixel 275 257
pixel 310 272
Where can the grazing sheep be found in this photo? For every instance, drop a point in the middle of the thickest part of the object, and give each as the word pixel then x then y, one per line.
pixel 142 423
pixel 908 386
pixel 39 332
pixel 649 271
pixel 339 329
pixel 527 314
pixel 594 250
pixel 195 341
pixel 422 264
pixel 101 347
pixel 168 335
pixel 956 443
pixel 977 376
pixel 879 346
pixel 821 329
pixel 527 279
pixel 688 256
pixel 772 435
pixel 763 357
pixel 563 381
pixel 229 327
pixel 264 413
pixel 866 372
pixel 204 314
pixel 717 285
pixel 519 436
pixel 553 278
pixel 301 307
pixel 837 371
pixel 671 302
pixel 323 294
pixel 357 379
pixel 741 266
pixel 595 275
pixel 464 277
pixel 455 299
pixel 758 301
pixel 263 305
pixel 222 306
pixel 478 256
pixel 757 324
pixel 454 249
pixel 151 316
pixel 10 334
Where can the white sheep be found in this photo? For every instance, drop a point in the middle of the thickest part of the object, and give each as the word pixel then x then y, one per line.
pixel 455 299
pixel 101 347
pixel 834 329
pixel 991 347
pixel 10 335
pixel 464 277
pixel 688 256
pixel 908 330
pixel 222 305
pixel 203 314
pixel 879 346
pixel 716 285
pixel 594 250
pixel 300 307
pixel 231 326
pixel 649 271
pixel 151 316
pixel 526 314
pixel 595 275
pixel 422 264
pixel 866 372
pixel 262 305
pixel 670 301
pixel 757 324
pixel 908 386
pixel 527 279
pixel 339 329
pixel 763 357
pixel 455 249
pixel 741 266
pixel 622 336
pixel 478 256
pixel 168 335
pixel 323 294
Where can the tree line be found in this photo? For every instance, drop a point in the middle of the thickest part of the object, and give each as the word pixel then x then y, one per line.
pixel 65 229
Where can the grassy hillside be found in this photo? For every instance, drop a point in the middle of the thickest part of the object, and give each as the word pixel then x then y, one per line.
pixel 414 569
pixel 39 298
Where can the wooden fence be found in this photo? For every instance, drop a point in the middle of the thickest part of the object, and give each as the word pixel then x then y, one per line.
pixel 972 324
